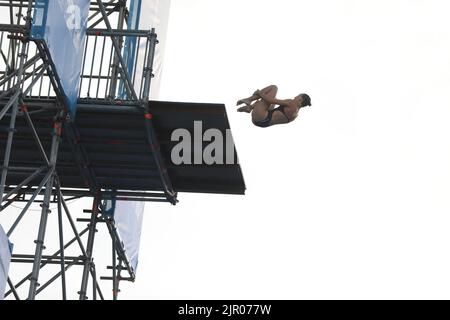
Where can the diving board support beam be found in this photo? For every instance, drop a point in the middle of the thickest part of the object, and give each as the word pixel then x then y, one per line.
pixel 152 138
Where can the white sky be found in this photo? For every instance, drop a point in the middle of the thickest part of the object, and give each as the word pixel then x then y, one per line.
pixel 349 201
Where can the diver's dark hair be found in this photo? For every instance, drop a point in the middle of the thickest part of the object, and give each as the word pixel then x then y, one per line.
pixel 306 100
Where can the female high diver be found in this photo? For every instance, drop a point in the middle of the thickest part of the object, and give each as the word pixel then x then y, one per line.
pixel 264 113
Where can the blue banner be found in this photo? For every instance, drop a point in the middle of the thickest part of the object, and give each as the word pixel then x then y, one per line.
pixel 129 51
pixel 62 24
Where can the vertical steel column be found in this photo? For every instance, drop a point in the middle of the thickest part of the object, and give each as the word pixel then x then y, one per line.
pixel 12 128
pixel 89 249
pixel 22 58
pixel 94 282
pixel 165 179
pixel 45 211
pixel 61 243
pixel 148 69
pixel 78 237
pixel 114 270
pixel 115 65
pixel 119 278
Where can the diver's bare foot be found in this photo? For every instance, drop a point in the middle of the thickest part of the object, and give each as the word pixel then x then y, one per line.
pixel 247 102
pixel 247 109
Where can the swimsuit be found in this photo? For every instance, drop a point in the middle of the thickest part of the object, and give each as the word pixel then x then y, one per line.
pixel 267 121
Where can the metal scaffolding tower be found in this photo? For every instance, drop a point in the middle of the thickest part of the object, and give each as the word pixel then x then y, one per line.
pixel 34 116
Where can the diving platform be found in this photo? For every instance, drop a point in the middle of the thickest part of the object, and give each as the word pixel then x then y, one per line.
pixel 117 156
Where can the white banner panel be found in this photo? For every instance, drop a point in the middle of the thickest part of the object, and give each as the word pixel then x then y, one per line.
pixel 129 215
pixel 5 259
pixel 155 14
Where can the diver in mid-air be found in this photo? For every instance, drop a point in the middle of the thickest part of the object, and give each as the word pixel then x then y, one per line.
pixel 264 113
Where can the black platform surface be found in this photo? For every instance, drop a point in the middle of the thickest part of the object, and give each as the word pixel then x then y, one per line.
pixel 118 152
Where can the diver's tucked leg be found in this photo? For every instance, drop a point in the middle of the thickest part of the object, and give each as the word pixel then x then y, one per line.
pixel 270 90
pixel 260 110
